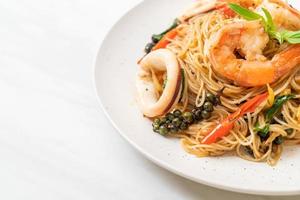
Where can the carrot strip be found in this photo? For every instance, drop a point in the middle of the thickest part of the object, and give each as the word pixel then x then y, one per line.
pixel 224 128
pixel 166 39
pixel 252 104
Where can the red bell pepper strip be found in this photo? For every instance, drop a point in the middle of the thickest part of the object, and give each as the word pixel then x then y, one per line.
pixel 227 125
pixel 166 39
pixel 163 42
pixel 252 104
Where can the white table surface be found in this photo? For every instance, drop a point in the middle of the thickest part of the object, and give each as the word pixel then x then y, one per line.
pixel 55 142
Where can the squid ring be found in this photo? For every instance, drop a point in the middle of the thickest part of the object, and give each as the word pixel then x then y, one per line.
pixel 162 60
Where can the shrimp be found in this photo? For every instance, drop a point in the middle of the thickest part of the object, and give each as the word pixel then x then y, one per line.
pixel 151 104
pixel 283 14
pixel 248 39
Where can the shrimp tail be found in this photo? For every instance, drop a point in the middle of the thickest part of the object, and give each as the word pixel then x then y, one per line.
pixel 286 60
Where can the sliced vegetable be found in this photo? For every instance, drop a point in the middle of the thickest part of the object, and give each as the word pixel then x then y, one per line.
pixel 271 97
pixel 270 24
pixel 244 12
pixel 227 125
pixel 252 104
pixel 279 102
pixel 292 37
pixel 220 131
pixel 166 39
pixel 262 132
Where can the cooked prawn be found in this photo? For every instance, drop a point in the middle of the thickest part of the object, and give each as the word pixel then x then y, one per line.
pixel 248 39
pixel 162 60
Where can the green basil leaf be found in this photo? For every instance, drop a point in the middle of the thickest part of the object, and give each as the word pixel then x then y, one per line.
pixel 293 40
pixel 292 37
pixel 245 13
pixel 291 34
pixel 277 35
pixel 270 23
pixel 256 126
pixel 262 132
pixel 279 102
pixel 251 16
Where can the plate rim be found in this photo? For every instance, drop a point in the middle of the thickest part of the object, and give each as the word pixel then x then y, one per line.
pixel 161 163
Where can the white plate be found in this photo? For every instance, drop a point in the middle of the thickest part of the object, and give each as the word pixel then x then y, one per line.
pixel 115 70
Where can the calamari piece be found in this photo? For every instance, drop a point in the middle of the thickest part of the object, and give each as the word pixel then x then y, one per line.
pixel 162 60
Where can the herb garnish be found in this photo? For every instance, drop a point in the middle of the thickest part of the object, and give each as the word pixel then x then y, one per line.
pixel 292 37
